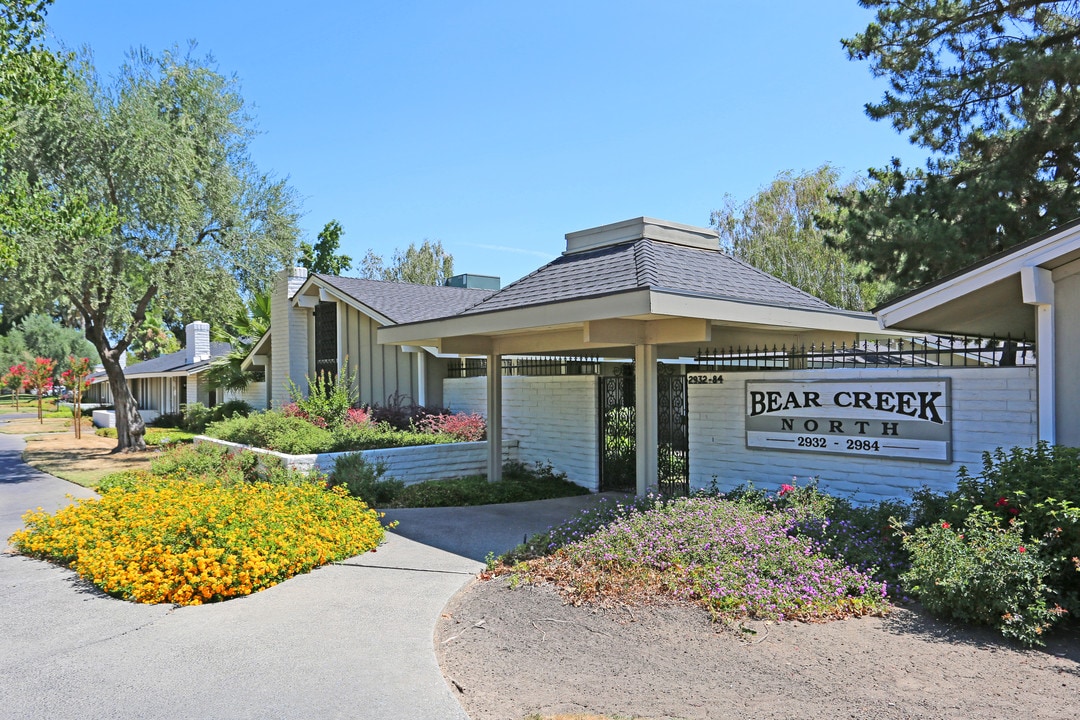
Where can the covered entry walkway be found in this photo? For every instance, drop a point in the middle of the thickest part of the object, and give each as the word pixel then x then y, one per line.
pixel 643 288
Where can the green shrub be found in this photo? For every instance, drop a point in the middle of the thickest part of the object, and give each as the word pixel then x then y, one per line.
pixel 1038 486
pixel 351 436
pixel 125 480
pixel 365 480
pixel 273 431
pixel 196 417
pixel 229 409
pixel 155 436
pixel 168 420
pixel 328 399
pixel 519 484
pixel 982 573
pixel 214 463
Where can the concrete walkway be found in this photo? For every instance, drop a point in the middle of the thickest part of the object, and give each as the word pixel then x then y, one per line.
pixel 350 640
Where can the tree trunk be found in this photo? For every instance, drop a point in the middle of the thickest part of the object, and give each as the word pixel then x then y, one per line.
pixel 130 427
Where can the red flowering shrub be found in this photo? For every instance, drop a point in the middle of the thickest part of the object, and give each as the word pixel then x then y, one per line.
pixel 357 416
pixel 464 427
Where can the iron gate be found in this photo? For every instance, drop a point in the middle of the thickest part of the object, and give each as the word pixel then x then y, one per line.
pixel 618 460
pixel 673 438
pixel 618 456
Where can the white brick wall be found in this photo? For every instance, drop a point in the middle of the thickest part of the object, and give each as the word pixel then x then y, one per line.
pixel 993 407
pixel 553 419
pixel 289 344
pixel 254 395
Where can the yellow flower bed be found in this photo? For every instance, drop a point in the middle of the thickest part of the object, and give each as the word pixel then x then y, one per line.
pixel 169 541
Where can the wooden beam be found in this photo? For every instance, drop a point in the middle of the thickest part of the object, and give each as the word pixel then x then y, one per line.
pixel 466 345
pixel 648 332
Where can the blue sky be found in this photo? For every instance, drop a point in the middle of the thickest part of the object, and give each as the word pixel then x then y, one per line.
pixel 498 127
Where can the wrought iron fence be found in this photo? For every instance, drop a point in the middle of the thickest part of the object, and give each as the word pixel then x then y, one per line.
pixel 913 352
pixel 526 366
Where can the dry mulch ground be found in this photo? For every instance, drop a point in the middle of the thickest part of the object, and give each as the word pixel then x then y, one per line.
pixel 83 461
pixel 512 653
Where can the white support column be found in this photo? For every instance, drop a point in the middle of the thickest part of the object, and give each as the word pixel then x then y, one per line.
pixel 339 316
pixel 1038 288
pixel 421 376
pixel 494 417
pixel 645 411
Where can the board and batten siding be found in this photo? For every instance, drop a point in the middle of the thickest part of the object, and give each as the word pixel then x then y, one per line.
pixel 553 419
pixel 381 370
pixel 991 408
pixel 1067 345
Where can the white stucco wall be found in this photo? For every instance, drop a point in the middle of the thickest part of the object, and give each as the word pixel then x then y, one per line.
pixel 553 419
pixel 991 408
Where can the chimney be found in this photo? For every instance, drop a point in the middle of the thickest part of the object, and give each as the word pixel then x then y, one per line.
pixel 198 342
pixel 296 278
pixel 289 325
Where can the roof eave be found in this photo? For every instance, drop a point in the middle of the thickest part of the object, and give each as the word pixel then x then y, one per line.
pixel 1036 252
pixel 641 302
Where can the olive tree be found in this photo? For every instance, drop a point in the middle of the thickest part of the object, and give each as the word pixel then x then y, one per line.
pixel 141 190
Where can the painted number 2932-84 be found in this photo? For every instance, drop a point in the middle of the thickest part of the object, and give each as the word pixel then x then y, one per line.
pixel 817 441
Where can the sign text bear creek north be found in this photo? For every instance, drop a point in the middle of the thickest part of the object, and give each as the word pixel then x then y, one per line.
pixel 873 418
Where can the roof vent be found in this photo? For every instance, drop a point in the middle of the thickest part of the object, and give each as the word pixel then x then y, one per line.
pixel 475 282
pixel 641 228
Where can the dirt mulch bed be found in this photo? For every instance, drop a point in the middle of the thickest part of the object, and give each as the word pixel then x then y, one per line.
pixel 511 653
pixel 84 461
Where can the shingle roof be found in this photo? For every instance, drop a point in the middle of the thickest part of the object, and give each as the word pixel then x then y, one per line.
pixel 172 363
pixel 406 302
pixel 647 264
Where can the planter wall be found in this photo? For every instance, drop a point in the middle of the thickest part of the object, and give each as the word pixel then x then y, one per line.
pixel 107 418
pixel 408 464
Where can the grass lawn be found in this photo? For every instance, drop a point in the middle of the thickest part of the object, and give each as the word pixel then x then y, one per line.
pixel 84 461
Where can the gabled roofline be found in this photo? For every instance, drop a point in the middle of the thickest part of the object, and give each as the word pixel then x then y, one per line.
pixel 1040 249
pixel 256 348
pixel 337 293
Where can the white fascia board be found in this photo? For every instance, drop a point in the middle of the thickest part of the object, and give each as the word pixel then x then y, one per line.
pixel 732 311
pixel 167 374
pixel 546 316
pixel 256 349
pixel 988 274
pixel 328 293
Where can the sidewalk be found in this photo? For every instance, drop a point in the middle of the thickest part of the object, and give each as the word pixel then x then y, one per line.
pixel 350 640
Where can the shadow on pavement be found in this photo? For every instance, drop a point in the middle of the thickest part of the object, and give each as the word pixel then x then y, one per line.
pixel 473 532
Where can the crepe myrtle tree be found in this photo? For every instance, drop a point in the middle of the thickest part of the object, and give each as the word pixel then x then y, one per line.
pixel 12 381
pixel 39 379
pixel 142 192
pixel 75 378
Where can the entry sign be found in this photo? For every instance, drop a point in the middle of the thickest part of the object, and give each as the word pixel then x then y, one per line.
pixel 874 418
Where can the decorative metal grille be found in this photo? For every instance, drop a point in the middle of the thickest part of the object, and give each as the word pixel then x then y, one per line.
pixel 526 366
pixel 326 341
pixel 673 450
pixel 930 352
pixel 618 455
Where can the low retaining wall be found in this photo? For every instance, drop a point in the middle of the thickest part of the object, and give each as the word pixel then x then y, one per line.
pixel 107 418
pixel 408 464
